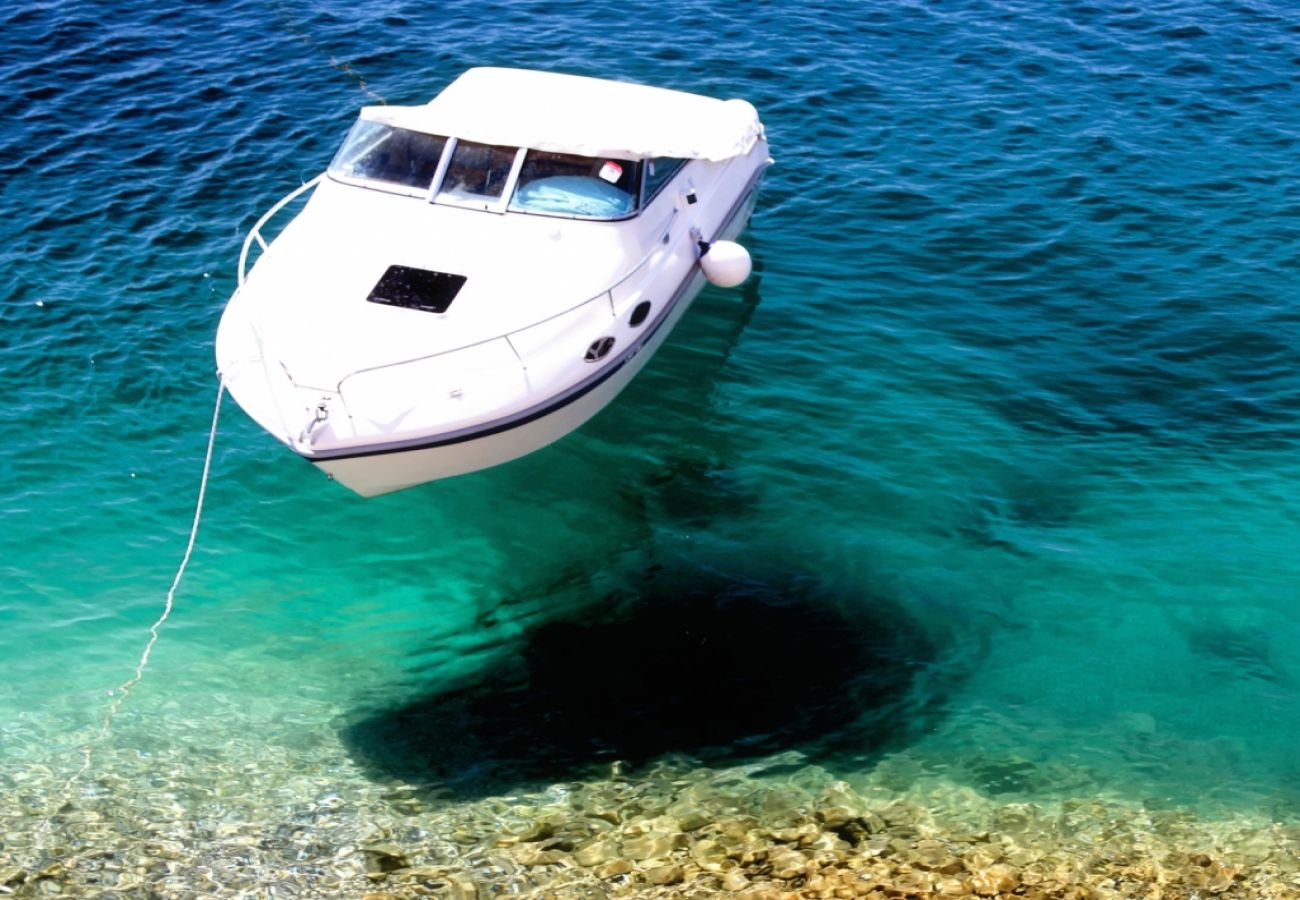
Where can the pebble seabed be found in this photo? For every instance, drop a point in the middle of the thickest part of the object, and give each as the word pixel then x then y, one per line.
pixel 174 823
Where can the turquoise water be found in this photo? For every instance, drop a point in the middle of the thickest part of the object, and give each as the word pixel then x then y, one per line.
pixel 990 472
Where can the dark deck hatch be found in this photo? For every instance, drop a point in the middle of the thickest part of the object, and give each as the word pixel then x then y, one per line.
pixel 420 289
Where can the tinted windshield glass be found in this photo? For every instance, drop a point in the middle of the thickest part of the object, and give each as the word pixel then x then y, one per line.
pixel 564 184
pixel 392 156
pixel 477 173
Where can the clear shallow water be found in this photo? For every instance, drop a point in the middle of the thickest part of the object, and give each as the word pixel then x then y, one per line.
pixel 1014 403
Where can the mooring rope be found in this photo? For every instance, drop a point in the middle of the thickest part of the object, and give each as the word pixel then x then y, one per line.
pixel 125 688
pixel 335 63
pixel 88 749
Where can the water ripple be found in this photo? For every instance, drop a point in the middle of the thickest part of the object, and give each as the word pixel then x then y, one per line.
pixel 1023 355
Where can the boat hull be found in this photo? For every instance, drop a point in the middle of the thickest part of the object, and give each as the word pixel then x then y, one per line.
pixel 382 401
pixel 385 469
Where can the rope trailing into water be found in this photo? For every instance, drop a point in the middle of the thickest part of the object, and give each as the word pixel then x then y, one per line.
pixel 291 24
pixel 124 690
pixel 87 750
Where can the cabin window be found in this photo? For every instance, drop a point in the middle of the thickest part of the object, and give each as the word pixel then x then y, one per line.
pixel 658 172
pixel 395 158
pixel 565 184
pixel 477 174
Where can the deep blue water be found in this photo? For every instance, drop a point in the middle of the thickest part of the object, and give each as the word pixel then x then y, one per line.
pixel 991 471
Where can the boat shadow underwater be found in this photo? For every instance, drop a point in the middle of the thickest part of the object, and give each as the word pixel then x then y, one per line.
pixel 721 667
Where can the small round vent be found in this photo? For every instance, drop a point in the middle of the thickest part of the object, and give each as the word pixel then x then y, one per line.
pixel 639 314
pixel 599 349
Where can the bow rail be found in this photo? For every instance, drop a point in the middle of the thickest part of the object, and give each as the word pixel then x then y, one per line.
pixel 256 233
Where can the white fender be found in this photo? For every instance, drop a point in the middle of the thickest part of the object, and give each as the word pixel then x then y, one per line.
pixel 725 263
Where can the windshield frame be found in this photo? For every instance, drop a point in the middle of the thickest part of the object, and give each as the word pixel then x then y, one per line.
pixel 444 197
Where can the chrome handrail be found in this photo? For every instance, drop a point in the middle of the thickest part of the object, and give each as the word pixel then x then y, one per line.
pixel 256 232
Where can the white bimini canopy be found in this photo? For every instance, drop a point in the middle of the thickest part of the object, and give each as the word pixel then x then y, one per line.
pixel 587 116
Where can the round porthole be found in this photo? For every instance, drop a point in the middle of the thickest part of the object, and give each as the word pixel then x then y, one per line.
pixel 639 314
pixel 599 349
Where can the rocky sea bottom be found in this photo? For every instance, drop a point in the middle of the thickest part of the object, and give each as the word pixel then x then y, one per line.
pixel 182 812
pixel 696 731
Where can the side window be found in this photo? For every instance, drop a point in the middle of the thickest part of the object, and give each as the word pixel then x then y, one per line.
pixel 658 172
pixel 394 156
pixel 477 173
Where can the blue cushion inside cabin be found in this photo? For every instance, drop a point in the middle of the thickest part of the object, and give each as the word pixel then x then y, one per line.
pixel 573 195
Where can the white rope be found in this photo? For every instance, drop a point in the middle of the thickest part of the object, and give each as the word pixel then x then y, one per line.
pixel 87 750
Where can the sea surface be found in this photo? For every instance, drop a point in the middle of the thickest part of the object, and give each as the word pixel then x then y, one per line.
pixel 991 472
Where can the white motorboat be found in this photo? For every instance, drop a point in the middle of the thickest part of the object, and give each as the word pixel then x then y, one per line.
pixel 474 278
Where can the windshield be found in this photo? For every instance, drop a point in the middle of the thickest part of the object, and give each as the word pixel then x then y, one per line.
pixel 394 156
pixel 483 176
pixel 564 184
pixel 477 174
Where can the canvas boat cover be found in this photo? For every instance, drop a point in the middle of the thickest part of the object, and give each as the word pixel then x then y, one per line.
pixel 587 116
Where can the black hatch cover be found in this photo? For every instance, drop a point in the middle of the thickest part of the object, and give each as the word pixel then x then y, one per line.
pixel 420 289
